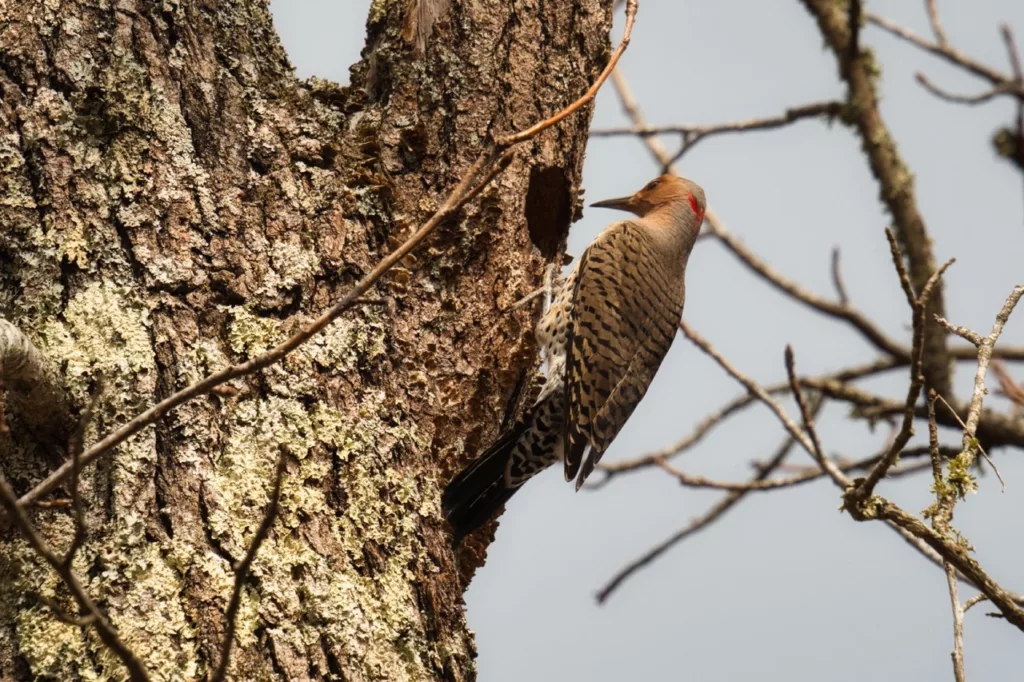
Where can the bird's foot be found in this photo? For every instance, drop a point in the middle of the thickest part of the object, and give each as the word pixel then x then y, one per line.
pixel 548 290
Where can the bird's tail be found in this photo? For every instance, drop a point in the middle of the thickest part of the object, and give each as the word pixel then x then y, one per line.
pixel 477 492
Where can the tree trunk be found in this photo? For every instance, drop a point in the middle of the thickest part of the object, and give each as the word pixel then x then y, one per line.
pixel 173 200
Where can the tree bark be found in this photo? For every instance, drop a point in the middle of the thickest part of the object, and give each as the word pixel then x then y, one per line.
pixel 174 200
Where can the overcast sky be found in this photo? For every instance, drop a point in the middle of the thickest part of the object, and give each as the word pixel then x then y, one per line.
pixel 784 587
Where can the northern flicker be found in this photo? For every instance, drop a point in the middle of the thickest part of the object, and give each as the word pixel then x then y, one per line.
pixel 602 337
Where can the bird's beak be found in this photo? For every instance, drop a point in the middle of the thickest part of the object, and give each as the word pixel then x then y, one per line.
pixel 620 204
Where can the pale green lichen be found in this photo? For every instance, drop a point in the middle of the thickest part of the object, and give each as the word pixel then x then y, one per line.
pixel 249 335
pixel 104 332
pixel 348 342
pixel 379 8
pixel 148 615
pixel 146 612
pixel 372 614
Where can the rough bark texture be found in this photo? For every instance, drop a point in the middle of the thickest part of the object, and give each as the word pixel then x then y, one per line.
pixel 172 200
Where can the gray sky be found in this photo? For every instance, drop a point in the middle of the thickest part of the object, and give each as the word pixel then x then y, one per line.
pixel 785 587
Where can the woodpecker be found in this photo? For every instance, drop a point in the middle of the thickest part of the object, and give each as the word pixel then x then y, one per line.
pixel 603 335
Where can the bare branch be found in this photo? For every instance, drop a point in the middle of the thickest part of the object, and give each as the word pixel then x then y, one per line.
pixel 632 110
pixel 1013 391
pixel 941 514
pixel 716 512
pixel 895 180
pixel 954 554
pixel 737 404
pixel 805 413
pixel 958 624
pixel 1011 50
pixel 919 306
pixel 242 571
pixel 803 439
pixel 691 132
pixel 837 279
pixel 961 559
pixel 962 332
pixel 932 7
pixel 841 311
pixel 976 599
pixel 484 169
pixel 985 357
pixel 946 52
pixel 971 100
pixel 805 475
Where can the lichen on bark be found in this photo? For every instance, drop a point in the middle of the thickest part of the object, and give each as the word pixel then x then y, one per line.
pixel 174 200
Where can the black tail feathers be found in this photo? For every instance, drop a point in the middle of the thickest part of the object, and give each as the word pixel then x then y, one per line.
pixel 477 492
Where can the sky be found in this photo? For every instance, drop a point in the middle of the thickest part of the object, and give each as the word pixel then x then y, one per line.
pixel 784 587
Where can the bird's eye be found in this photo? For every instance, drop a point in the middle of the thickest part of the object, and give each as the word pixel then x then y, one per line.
pixel 651 185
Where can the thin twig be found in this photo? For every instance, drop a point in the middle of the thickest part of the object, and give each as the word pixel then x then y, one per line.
pixel 242 571
pixel 692 132
pixel 716 512
pixel 802 438
pixel 1008 387
pixel 919 306
pixel 971 100
pixel 958 624
pixel 945 51
pixel 805 475
pixel 636 116
pixel 963 332
pixel 737 404
pixel 932 7
pixel 973 601
pixel 985 357
pixel 827 110
pixel 837 278
pixel 841 310
pixel 945 499
pixel 484 169
pixel 805 413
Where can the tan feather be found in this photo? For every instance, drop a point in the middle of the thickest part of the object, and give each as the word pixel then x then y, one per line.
pixel 624 314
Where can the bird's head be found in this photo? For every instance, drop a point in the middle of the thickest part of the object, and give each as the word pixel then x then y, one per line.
pixel 667 192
